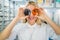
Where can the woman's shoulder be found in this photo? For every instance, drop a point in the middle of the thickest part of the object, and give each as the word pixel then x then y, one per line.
pixel 18 26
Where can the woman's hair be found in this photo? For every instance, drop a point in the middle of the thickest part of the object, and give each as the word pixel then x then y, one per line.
pixel 38 21
pixel 31 3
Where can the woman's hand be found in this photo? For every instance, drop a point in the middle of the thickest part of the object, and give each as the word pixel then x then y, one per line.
pixel 7 31
pixel 44 17
pixel 20 14
pixel 42 14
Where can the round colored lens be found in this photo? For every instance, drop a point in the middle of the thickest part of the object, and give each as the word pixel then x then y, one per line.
pixel 35 12
pixel 27 12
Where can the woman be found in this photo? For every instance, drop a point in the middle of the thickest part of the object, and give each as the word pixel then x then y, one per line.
pixel 33 27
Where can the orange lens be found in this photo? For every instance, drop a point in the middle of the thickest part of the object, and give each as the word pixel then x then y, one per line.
pixel 35 12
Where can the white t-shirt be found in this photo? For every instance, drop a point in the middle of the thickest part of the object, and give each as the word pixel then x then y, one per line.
pixel 25 31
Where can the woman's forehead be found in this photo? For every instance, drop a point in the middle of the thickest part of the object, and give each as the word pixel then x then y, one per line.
pixel 31 7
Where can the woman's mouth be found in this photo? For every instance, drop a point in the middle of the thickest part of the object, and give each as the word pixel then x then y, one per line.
pixel 30 18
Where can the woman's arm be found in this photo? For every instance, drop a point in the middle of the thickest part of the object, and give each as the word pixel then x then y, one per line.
pixel 44 17
pixel 49 21
pixel 53 25
pixel 6 32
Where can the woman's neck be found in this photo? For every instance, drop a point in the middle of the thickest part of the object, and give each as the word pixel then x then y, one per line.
pixel 31 23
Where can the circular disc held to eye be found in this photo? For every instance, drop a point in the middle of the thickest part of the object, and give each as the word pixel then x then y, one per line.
pixel 35 11
pixel 27 12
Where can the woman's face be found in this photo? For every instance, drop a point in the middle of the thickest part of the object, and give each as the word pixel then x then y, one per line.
pixel 31 19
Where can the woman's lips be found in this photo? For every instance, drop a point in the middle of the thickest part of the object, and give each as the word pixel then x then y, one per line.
pixel 30 17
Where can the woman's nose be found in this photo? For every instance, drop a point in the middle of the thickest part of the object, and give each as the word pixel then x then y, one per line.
pixel 31 14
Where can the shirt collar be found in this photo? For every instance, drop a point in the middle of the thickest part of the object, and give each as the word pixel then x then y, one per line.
pixel 31 26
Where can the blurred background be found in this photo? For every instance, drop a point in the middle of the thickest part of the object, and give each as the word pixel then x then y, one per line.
pixel 9 8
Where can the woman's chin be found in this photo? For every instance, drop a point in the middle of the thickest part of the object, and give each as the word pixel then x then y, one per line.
pixel 31 20
pixel 31 23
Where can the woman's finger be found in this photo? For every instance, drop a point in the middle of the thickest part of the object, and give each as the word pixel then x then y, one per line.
pixel 24 17
pixel 42 18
